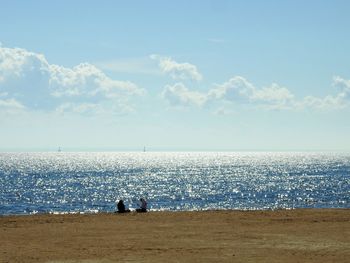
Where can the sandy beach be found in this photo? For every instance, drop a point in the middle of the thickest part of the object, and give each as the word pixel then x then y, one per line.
pixel 305 235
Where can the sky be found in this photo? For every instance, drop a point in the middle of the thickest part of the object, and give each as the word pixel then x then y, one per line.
pixel 175 75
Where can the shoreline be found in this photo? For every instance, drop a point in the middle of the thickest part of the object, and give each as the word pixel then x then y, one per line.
pixel 172 211
pixel 299 235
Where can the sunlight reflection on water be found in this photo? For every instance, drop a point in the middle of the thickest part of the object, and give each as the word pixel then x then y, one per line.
pixel 92 182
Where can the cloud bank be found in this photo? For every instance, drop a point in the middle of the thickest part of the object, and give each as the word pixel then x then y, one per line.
pixel 28 81
pixel 239 90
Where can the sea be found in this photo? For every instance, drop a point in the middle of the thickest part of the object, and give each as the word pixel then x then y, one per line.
pixel 92 182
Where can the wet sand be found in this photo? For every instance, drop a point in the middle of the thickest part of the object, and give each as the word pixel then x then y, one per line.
pixel 305 235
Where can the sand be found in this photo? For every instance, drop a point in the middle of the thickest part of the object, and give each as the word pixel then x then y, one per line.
pixel 310 235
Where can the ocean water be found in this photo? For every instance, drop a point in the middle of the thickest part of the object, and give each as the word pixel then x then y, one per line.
pixel 92 182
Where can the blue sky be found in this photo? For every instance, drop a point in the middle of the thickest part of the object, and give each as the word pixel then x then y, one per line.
pixel 180 75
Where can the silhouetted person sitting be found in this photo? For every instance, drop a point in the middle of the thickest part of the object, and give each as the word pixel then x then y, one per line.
pixel 121 207
pixel 143 206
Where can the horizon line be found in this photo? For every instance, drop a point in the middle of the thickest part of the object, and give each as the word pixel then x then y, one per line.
pixel 159 149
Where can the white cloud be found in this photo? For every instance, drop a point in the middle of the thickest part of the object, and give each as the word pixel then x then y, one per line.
pixel 179 94
pixel 328 102
pixel 236 89
pixel 339 81
pixel 343 85
pixel 11 104
pixel 177 70
pixel 89 81
pixel 274 97
pixel 240 90
pixel 337 101
pixel 274 93
pixel 28 78
pixel 24 76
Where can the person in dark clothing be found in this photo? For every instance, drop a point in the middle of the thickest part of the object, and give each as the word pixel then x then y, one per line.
pixel 121 207
pixel 143 206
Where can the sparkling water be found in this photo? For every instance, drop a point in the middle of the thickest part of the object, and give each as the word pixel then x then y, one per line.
pixel 92 182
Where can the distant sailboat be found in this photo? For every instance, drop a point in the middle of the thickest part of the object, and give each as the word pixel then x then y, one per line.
pixel 59 149
pixel 144 148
